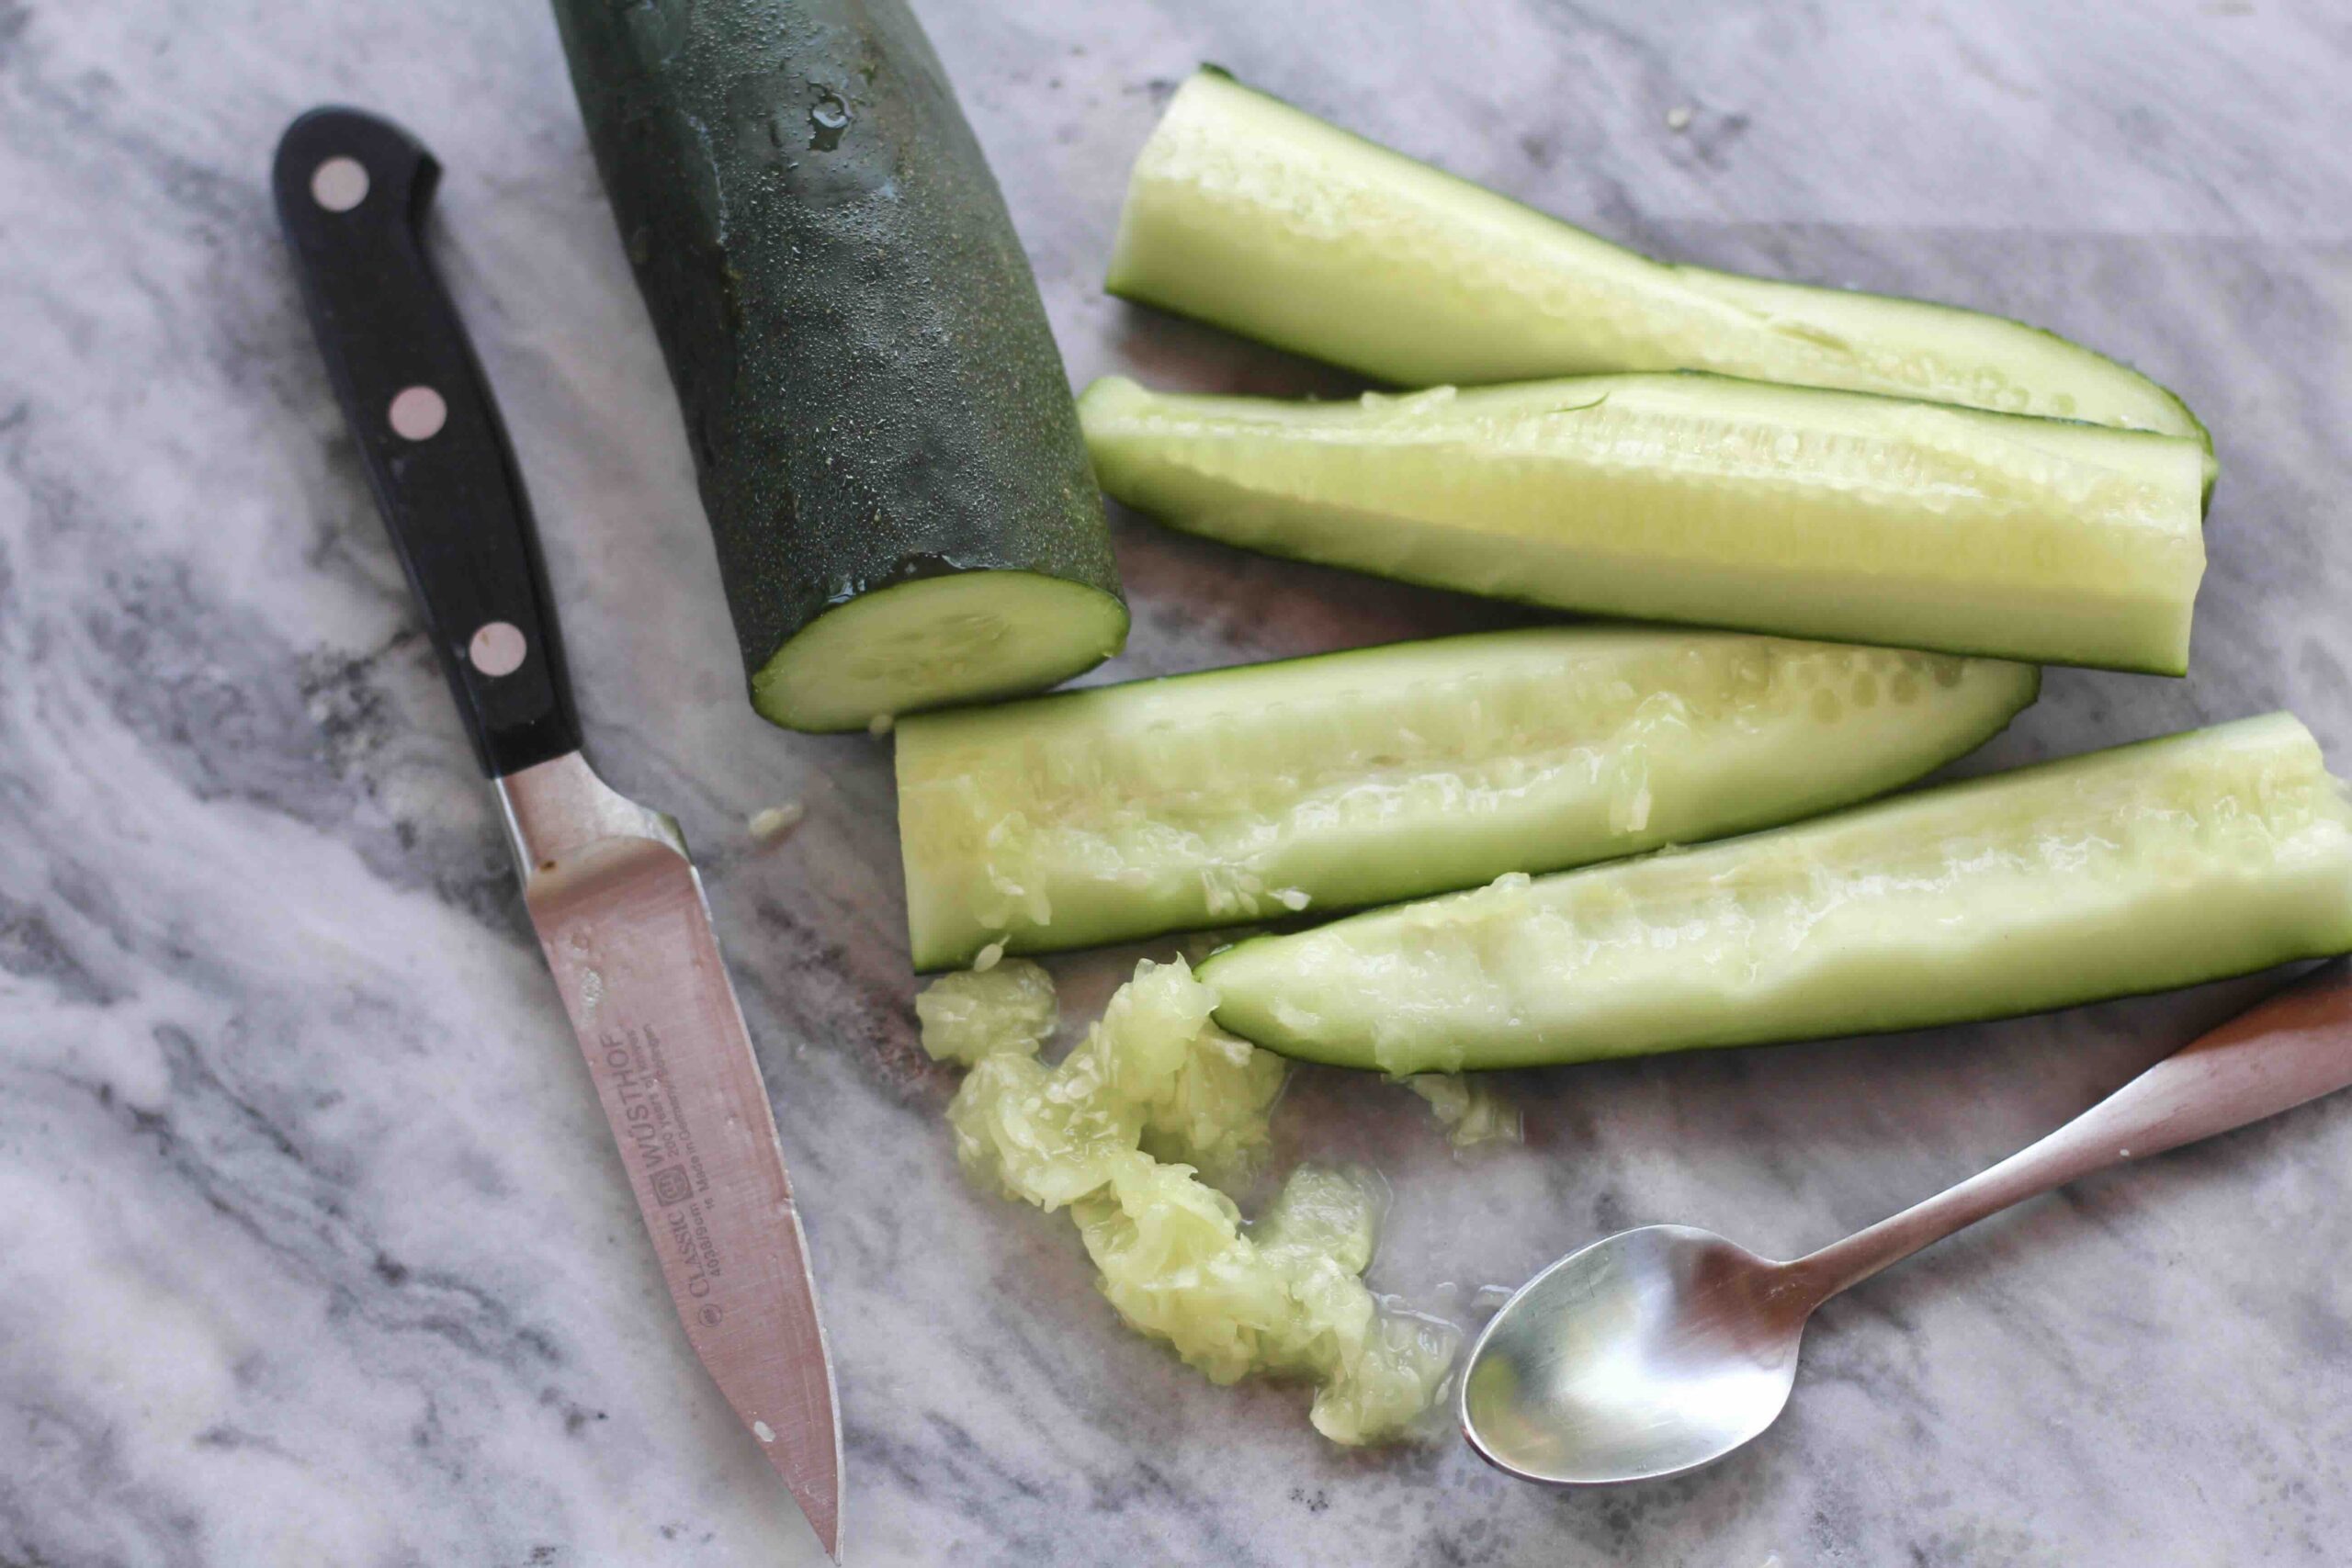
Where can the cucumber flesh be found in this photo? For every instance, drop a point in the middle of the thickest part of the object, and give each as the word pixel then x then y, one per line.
pixel 1255 216
pixel 958 638
pixel 2206 854
pixel 1139 1133
pixel 1363 777
pixel 1701 498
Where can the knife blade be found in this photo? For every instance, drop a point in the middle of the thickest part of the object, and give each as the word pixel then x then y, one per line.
pixel 611 890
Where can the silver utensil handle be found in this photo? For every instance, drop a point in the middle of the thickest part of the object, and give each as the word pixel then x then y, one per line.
pixel 2293 1047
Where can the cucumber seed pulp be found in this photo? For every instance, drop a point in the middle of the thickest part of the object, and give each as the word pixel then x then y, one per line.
pixel 1127 1131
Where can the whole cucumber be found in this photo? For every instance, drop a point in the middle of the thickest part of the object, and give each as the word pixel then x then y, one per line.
pixel 881 425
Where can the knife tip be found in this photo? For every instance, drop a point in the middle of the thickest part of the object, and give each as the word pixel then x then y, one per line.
pixel 822 1507
pixel 829 1532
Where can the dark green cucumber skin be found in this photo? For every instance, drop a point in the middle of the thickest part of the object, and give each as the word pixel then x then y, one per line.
pixel 869 383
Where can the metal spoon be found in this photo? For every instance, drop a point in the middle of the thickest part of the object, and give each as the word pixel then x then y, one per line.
pixel 1660 1349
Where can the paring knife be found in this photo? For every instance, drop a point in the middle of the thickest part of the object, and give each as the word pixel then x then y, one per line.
pixel 615 899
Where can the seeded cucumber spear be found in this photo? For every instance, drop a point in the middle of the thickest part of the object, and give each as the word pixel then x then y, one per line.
pixel 881 424
pixel 1346 779
pixel 2142 868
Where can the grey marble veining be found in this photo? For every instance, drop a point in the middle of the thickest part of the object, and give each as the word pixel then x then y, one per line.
pixel 312 1247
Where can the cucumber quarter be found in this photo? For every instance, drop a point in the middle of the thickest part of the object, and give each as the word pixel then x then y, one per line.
pixel 1255 216
pixel 960 637
pixel 2210 854
pixel 1701 498
pixel 1346 779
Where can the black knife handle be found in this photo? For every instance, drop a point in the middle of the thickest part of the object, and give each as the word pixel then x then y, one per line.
pixel 352 192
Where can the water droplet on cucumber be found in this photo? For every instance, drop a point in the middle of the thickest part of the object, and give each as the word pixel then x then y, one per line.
pixel 829 120
pixel 659 27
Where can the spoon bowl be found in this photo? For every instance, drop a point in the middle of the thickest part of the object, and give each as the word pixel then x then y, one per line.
pixel 1646 1354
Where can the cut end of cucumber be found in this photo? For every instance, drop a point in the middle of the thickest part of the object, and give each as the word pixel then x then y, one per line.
pixel 935 640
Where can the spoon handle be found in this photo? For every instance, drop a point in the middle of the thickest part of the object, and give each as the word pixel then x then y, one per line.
pixel 2295 1046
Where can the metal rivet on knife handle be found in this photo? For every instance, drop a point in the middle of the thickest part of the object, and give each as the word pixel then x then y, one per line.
pixel 418 413
pixel 498 648
pixel 339 184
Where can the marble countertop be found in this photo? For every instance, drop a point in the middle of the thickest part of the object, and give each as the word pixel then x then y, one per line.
pixel 314 1248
